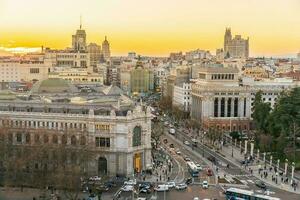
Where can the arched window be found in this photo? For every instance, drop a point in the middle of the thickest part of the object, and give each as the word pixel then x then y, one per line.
pixel 64 139
pixel 37 138
pixel 137 136
pixel 54 139
pixel 82 140
pixel 73 140
pixel 27 138
pixel 46 139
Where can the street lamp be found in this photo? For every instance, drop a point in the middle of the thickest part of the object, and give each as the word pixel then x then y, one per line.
pixel 231 147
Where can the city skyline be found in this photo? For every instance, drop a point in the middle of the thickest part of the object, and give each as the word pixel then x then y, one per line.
pixel 155 28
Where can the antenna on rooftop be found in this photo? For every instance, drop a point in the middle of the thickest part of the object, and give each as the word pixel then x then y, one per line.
pixel 80 22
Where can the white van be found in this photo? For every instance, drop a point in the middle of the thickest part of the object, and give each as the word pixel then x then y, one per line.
pixel 172 131
pixel 161 188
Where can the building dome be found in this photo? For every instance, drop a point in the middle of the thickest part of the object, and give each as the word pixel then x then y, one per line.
pixel 53 85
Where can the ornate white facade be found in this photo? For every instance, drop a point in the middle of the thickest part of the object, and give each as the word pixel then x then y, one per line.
pixel 109 125
pixel 222 101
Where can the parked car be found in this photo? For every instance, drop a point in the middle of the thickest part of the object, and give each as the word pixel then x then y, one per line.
pixel 204 184
pixel 212 159
pixel 145 190
pixel 145 185
pixel 171 184
pixel 161 188
pixel 196 198
pixel 130 182
pixel 209 172
pixel 199 168
pixel 186 143
pixel 165 140
pixel 172 131
pixel 260 184
pixel 95 178
pixel 127 188
pixel 178 152
pixel 186 158
pixel 188 181
pixel 181 186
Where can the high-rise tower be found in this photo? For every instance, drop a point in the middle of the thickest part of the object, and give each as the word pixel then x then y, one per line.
pixel 79 39
pixel 235 47
pixel 106 49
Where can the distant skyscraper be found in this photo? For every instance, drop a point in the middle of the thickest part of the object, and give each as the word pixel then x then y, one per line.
pixel 236 47
pixel 106 49
pixel 79 39
pixel 95 53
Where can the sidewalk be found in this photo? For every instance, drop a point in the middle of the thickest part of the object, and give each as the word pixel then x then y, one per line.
pixel 259 171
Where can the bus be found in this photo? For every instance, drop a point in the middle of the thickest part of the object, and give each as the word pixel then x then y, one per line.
pixel 192 168
pixel 240 194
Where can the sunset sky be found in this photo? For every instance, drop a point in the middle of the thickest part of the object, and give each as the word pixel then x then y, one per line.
pixel 152 27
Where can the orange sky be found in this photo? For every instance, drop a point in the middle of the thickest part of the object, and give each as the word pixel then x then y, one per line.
pixel 155 27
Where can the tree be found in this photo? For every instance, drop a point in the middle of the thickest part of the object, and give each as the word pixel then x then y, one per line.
pixel 286 118
pixel 157 132
pixel 261 113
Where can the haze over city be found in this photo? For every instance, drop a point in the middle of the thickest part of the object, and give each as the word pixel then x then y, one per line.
pixel 152 27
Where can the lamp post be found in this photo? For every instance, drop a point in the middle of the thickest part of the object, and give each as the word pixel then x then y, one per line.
pixel 231 147
pixel 293 170
pixel 278 161
pixel 246 145
pixel 264 154
pixel 271 160
pixel 286 166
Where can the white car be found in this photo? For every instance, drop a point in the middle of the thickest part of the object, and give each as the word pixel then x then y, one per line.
pixel 127 188
pixel 95 178
pixel 187 143
pixel 204 184
pixel 199 168
pixel 178 152
pixel 130 182
pixel 171 184
pixel 161 188
pixel 181 186
pixel 172 131
pixel 196 198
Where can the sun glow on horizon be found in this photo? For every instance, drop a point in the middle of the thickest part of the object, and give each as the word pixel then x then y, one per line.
pixel 151 27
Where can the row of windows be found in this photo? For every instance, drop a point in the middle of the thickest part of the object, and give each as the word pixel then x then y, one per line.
pixel 102 127
pixel 35 124
pixel 222 76
pixel 34 70
pixel 27 138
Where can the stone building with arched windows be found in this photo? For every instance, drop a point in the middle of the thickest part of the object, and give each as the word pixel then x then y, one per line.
pixel 114 131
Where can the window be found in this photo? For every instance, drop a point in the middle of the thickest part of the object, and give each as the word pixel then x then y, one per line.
pixel 102 142
pixel 73 140
pixel 54 139
pixel 137 136
pixel 27 138
pixel 19 137
pixel 46 139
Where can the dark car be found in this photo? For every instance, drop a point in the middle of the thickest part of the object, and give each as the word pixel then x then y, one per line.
pixel 145 190
pixel 188 181
pixel 110 184
pixel 165 141
pixel 260 184
pixel 171 145
pixel 145 185
pixel 243 162
pixel 212 159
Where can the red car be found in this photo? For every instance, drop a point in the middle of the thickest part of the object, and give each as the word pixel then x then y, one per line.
pixel 209 172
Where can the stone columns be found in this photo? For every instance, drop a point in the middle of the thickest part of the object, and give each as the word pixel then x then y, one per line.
pixel 271 160
pixel 278 161
pixel 232 108
pixel 286 166
pixel 251 148
pixel 257 154
pixel 235 140
pixel 241 145
pixel 246 145
pixel 264 156
pixel 219 107
pixel 226 105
